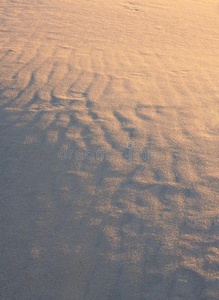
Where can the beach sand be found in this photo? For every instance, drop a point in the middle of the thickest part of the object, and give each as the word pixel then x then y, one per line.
pixel 109 149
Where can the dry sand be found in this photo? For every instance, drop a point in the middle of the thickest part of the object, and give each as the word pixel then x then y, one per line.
pixel 109 138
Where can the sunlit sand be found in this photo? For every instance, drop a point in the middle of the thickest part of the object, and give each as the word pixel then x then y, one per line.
pixel 109 138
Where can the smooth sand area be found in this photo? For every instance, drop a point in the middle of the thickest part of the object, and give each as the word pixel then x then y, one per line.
pixel 109 149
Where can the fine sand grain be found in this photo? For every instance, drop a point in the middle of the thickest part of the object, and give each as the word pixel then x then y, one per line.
pixel 109 149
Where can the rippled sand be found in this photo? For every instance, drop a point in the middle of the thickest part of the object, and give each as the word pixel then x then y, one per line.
pixel 109 137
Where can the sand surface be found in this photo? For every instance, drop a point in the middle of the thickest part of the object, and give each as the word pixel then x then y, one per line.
pixel 109 149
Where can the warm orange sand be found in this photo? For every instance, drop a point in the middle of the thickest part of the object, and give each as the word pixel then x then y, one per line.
pixel 119 77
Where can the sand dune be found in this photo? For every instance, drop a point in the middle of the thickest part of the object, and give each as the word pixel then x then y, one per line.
pixel 109 149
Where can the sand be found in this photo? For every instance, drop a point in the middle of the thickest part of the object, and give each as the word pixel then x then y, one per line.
pixel 109 149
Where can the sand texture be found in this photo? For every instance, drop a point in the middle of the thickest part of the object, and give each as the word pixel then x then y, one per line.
pixel 109 126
